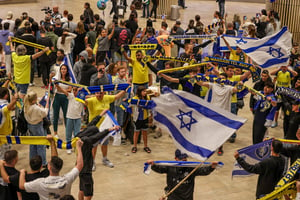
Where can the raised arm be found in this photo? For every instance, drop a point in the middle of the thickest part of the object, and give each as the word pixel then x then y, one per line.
pixel 127 57
pixel 168 78
pixel 38 54
pixel 112 32
pixel 53 146
pixel 245 75
pixel 79 161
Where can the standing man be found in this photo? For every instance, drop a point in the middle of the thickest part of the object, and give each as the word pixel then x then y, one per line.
pixel 221 7
pixel 176 174
pixel 54 186
pixel 88 14
pixel 270 170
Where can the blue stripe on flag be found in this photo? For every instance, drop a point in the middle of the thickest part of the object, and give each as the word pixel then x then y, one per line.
pixel 68 63
pixel 240 173
pixel 205 153
pixel 112 118
pixel 273 62
pixel 270 42
pixel 212 114
pixel 8 138
pixel 18 141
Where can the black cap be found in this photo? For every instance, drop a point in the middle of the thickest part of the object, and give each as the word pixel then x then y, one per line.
pixel 180 155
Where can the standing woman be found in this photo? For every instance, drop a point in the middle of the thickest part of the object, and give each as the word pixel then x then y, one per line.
pixel 64 43
pixel 60 99
pixel 103 42
pixel 79 41
pixel 141 120
pixel 154 9
pixel 34 115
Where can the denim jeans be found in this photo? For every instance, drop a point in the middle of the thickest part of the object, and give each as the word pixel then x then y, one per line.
pixel 60 101
pixel 73 125
pixel 146 7
pixel 222 8
pixel 120 115
pixel 37 130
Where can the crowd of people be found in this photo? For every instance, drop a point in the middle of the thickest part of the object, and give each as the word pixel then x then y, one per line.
pixel 93 52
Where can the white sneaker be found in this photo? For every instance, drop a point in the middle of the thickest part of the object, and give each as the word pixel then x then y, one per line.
pixel 107 163
pixel 56 136
pixel 268 123
pixel 94 167
pixel 69 151
pixel 31 84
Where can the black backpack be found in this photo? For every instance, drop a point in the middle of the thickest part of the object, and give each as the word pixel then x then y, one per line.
pixel 22 123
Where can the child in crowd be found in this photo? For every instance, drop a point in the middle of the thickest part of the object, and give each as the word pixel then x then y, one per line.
pixel 140 117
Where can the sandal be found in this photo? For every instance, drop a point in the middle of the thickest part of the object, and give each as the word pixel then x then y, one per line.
pixel 147 149
pixel 134 150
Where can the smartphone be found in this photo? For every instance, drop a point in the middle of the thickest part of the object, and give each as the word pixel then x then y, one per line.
pixel 257 15
pixel 245 18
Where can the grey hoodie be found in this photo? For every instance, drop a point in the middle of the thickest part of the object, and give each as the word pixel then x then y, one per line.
pixel 79 64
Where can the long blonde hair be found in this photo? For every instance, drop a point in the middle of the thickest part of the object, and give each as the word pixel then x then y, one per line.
pixel 30 97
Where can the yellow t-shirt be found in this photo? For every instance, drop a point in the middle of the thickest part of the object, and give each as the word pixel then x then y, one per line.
pixel 22 68
pixel 234 78
pixel 7 127
pixel 235 57
pixel 283 79
pixel 96 107
pixel 139 72
pixel 145 113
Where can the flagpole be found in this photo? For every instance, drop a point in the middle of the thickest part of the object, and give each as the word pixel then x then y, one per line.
pixel 182 181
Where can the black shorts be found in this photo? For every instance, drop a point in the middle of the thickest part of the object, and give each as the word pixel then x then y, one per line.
pixel 86 184
pixel 279 105
pixel 141 125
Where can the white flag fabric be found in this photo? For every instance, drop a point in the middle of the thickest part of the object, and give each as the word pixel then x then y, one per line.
pixel 233 41
pixel 109 122
pixel 270 51
pixel 197 127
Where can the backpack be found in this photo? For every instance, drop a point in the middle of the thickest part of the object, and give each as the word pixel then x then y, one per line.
pixel 22 123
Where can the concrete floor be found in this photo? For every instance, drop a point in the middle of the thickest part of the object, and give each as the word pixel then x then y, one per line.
pixel 126 180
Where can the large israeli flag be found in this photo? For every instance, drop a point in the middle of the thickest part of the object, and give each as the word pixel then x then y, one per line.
pixel 270 51
pixel 233 41
pixel 109 122
pixel 197 127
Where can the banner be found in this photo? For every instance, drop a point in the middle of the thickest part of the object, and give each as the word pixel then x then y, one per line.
pixel 233 41
pixel 255 71
pixel 252 155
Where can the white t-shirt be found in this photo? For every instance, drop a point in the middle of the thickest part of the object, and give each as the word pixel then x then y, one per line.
pixel 53 187
pixel 35 114
pixel 74 107
pixel 221 95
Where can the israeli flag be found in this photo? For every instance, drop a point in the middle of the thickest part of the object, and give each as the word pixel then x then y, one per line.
pixel 252 155
pixel 270 51
pixel 197 127
pixel 67 62
pixel 109 122
pixel 234 41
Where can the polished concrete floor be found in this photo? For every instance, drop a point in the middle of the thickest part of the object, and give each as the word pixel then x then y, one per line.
pixel 126 180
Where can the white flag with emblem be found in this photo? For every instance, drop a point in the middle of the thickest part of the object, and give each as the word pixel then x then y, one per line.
pixel 197 127
pixel 270 51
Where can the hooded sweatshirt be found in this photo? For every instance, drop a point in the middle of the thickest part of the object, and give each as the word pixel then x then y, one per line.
pixel 79 64
pixel 4 38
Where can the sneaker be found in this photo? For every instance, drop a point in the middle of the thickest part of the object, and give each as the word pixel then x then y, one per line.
pixel 274 124
pixel 107 163
pixel 94 167
pixel 56 136
pixel 31 84
pixel 268 123
pixel 69 151
pixel 123 141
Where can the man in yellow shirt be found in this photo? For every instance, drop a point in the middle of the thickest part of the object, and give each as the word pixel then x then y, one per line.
pixel 96 105
pixel 6 126
pixel 232 77
pixel 238 54
pixel 140 72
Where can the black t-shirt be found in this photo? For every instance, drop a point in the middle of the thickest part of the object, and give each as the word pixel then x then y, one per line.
pixel 121 36
pixel 8 191
pixel 189 85
pixel 29 38
pixel 14 180
pixel 231 32
pixel 87 71
pixel 46 41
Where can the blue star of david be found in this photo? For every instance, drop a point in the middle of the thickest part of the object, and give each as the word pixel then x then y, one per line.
pixel 182 123
pixel 241 41
pixel 276 53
